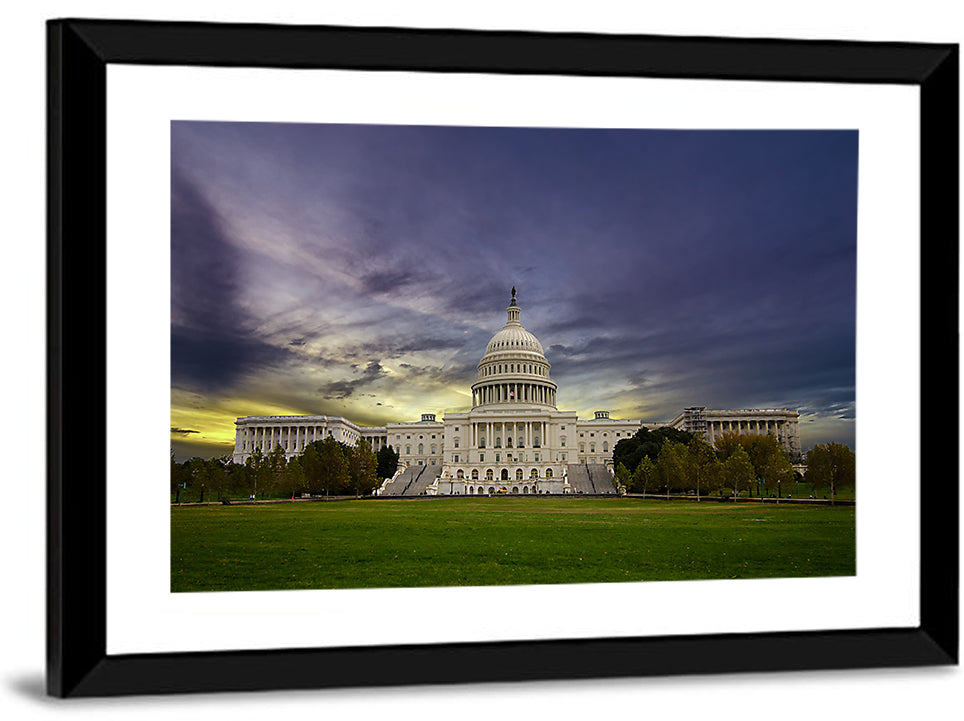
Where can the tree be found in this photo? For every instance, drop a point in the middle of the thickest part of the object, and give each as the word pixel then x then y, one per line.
pixel 178 477
pixel 275 461
pixel 293 478
pixel 387 462
pixel 701 460
pixel 671 463
pixel 326 466
pixel 644 475
pixel 258 472
pixel 630 451
pixel 832 465
pixel 623 476
pixel 215 476
pixel 197 473
pixel 363 468
pixel 769 459
pixel 737 471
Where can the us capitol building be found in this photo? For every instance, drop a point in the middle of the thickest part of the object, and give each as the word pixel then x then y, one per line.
pixel 514 440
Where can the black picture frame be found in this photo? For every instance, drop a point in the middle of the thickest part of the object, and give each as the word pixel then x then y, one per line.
pixel 79 52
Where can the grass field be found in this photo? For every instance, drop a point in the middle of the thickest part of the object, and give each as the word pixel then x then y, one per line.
pixel 495 541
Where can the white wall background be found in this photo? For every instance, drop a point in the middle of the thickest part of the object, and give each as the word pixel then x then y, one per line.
pixel 921 693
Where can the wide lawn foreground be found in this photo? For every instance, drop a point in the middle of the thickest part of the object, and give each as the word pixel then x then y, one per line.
pixel 492 541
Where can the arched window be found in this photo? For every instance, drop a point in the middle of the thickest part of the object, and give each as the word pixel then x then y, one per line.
pixel 475 474
pixel 489 474
pixel 518 474
pixel 534 473
pixel 433 449
pixel 491 490
pixel 535 442
pixel 408 450
pixel 548 473
pixel 421 449
pixel 515 490
pixel 498 442
pixel 592 447
pixel 562 441
pixel 460 474
pixel 525 490
pixel 505 474
pixel 481 441
pixel 605 446
pixel 471 490
pixel 508 442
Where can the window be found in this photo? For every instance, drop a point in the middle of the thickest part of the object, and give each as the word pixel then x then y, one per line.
pixel 489 474
pixel 592 435
pixel 535 442
pixel 456 442
pixel 592 447
pixel 455 458
pixel 408 450
pixel 582 435
pixel 421 449
pixel 460 474
pixel 562 441
pixel 562 428
pixel 605 446
pixel 548 473
pixel 456 429
pixel 481 458
pixel 498 457
pixel 475 474
pixel 534 473
pixel 536 458
pixel 563 456
pixel 481 441
pixel 498 442
pixel 518 474
pixel 582 447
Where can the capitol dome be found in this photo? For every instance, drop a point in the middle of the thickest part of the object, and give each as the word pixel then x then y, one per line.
pixel 514 368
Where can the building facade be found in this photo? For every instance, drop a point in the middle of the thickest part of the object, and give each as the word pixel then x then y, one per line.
pixel 514 439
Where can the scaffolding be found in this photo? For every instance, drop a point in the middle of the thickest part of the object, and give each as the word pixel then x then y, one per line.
pixel 694 420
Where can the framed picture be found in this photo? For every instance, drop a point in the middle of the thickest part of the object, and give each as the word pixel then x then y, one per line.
pixel 131 104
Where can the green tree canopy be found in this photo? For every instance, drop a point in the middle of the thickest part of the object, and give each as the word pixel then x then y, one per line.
pixel 831 465
pixel 645 475
pixel 387 462
pixel 737 471
pixel 326 466
pixel 630 451
pixel 363 468
pixel 671 464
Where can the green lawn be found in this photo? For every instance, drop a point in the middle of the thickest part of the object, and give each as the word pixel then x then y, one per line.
pixel 493 541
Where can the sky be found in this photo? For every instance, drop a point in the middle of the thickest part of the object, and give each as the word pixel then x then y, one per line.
pixel 360 270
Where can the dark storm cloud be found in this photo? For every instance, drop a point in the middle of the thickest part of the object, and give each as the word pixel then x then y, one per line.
pixel 182 431
pixel 389 281
pixel 212 343
pixel 339 390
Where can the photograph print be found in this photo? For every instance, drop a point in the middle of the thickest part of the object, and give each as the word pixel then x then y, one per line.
pixel 415 356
